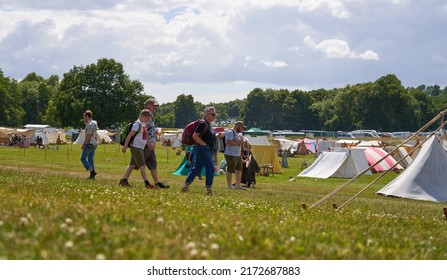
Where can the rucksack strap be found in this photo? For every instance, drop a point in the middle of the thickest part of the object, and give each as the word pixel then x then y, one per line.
pixel 206 127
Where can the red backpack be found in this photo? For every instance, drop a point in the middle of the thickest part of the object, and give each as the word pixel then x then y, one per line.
pixel 188 132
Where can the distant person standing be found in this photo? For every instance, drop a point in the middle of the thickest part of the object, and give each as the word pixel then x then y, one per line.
pixel 232 153
pixel 149 149
pixel 204 137
pixel 89 144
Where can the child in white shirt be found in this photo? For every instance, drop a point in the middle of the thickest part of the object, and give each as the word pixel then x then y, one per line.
pixel 137 139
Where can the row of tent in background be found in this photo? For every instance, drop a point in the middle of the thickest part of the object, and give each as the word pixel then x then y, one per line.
pixel 424 177
pixel 44 135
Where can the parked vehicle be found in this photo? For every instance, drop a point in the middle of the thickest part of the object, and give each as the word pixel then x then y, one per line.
pixel 342 134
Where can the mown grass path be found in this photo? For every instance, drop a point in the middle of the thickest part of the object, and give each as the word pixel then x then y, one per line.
pixel 48 210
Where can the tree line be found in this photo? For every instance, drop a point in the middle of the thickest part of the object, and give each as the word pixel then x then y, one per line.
pixel 115 99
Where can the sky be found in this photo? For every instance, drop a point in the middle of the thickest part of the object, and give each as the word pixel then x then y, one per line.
pixel 218 51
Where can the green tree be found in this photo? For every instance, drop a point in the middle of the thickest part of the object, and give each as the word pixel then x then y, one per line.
pixel 11 112
pixel 165 116
pixel 297 110
pixel 35 96
pixel 185 110
pixel 264 109
pixel 103 88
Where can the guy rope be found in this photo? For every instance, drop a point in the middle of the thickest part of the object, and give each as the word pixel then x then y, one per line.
pixel 392 167
pixel 424 127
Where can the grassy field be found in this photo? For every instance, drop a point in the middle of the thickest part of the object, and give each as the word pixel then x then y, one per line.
pixel 50 211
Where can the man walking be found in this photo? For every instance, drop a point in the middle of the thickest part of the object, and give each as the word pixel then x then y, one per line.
pixel 204 147
pixel 149 149
pixel 89 144
pixel 232 153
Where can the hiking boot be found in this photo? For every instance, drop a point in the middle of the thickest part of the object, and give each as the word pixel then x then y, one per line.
pixel 92 175
pixel 209 192
pixel 124 183
pixel 162 186
pixel 185 189
pixel 149 186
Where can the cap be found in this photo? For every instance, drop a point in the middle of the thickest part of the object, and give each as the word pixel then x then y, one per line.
pixel 151 101
pixel 241 123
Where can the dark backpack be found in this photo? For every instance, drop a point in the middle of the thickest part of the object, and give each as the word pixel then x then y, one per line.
pixel 223 140
pixel 188 132
pixel 125 131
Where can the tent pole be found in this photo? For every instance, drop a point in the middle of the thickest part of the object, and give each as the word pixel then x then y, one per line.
pixel 304 206
pixel 384 173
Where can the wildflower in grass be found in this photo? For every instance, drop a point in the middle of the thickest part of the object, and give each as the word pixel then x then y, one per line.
pixel 119 251
pixel 193 252
pixel 212 236
pixel 68 221
pixel 69 244
pixel 24 221
pixel 190 245
pixel 214 246
pixel 241 238
pixel 204 254
pixel 81 231
pixel 292 239
pixel 1 223
pixel 100 256
pixel 63 226
pixel 44 254
pixel 160 220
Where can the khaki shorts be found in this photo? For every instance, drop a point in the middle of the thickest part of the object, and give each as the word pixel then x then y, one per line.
pixel 151 159
pixel 234 163
pixel 137 157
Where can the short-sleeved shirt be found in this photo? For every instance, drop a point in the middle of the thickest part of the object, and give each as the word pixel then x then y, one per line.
pixel 91 128
pixel 206 133
pixel 141 137
pixel 151 130
pixel 233 150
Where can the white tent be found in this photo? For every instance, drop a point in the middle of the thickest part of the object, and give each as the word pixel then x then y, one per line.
pixel 174 138
pixel 425 178
pixel 359 157
pixel 374 143
pixel 347 143
pixel 325 146
pixel 103 137
pixel 332 164
pixel 401 153
pixel 257 140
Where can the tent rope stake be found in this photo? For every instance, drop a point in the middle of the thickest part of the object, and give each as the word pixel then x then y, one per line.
pixel 325 198
pixel 384 173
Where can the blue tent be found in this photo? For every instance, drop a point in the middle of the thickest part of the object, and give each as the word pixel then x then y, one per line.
pixel 183 169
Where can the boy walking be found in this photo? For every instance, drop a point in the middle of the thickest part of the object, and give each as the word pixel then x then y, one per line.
pixel 136 140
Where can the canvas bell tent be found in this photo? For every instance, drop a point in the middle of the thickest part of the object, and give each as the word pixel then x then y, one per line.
pixel 374 154
pixel 359 157
pixel 341 164
pixel 425 178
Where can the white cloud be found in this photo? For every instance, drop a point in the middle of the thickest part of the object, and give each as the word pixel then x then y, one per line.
pixel 337 8
pixel 336 48
pixel 274 64
pixel 206 44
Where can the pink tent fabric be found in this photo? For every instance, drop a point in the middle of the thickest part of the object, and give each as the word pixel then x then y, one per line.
pixel 311 145
pixel 374 154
